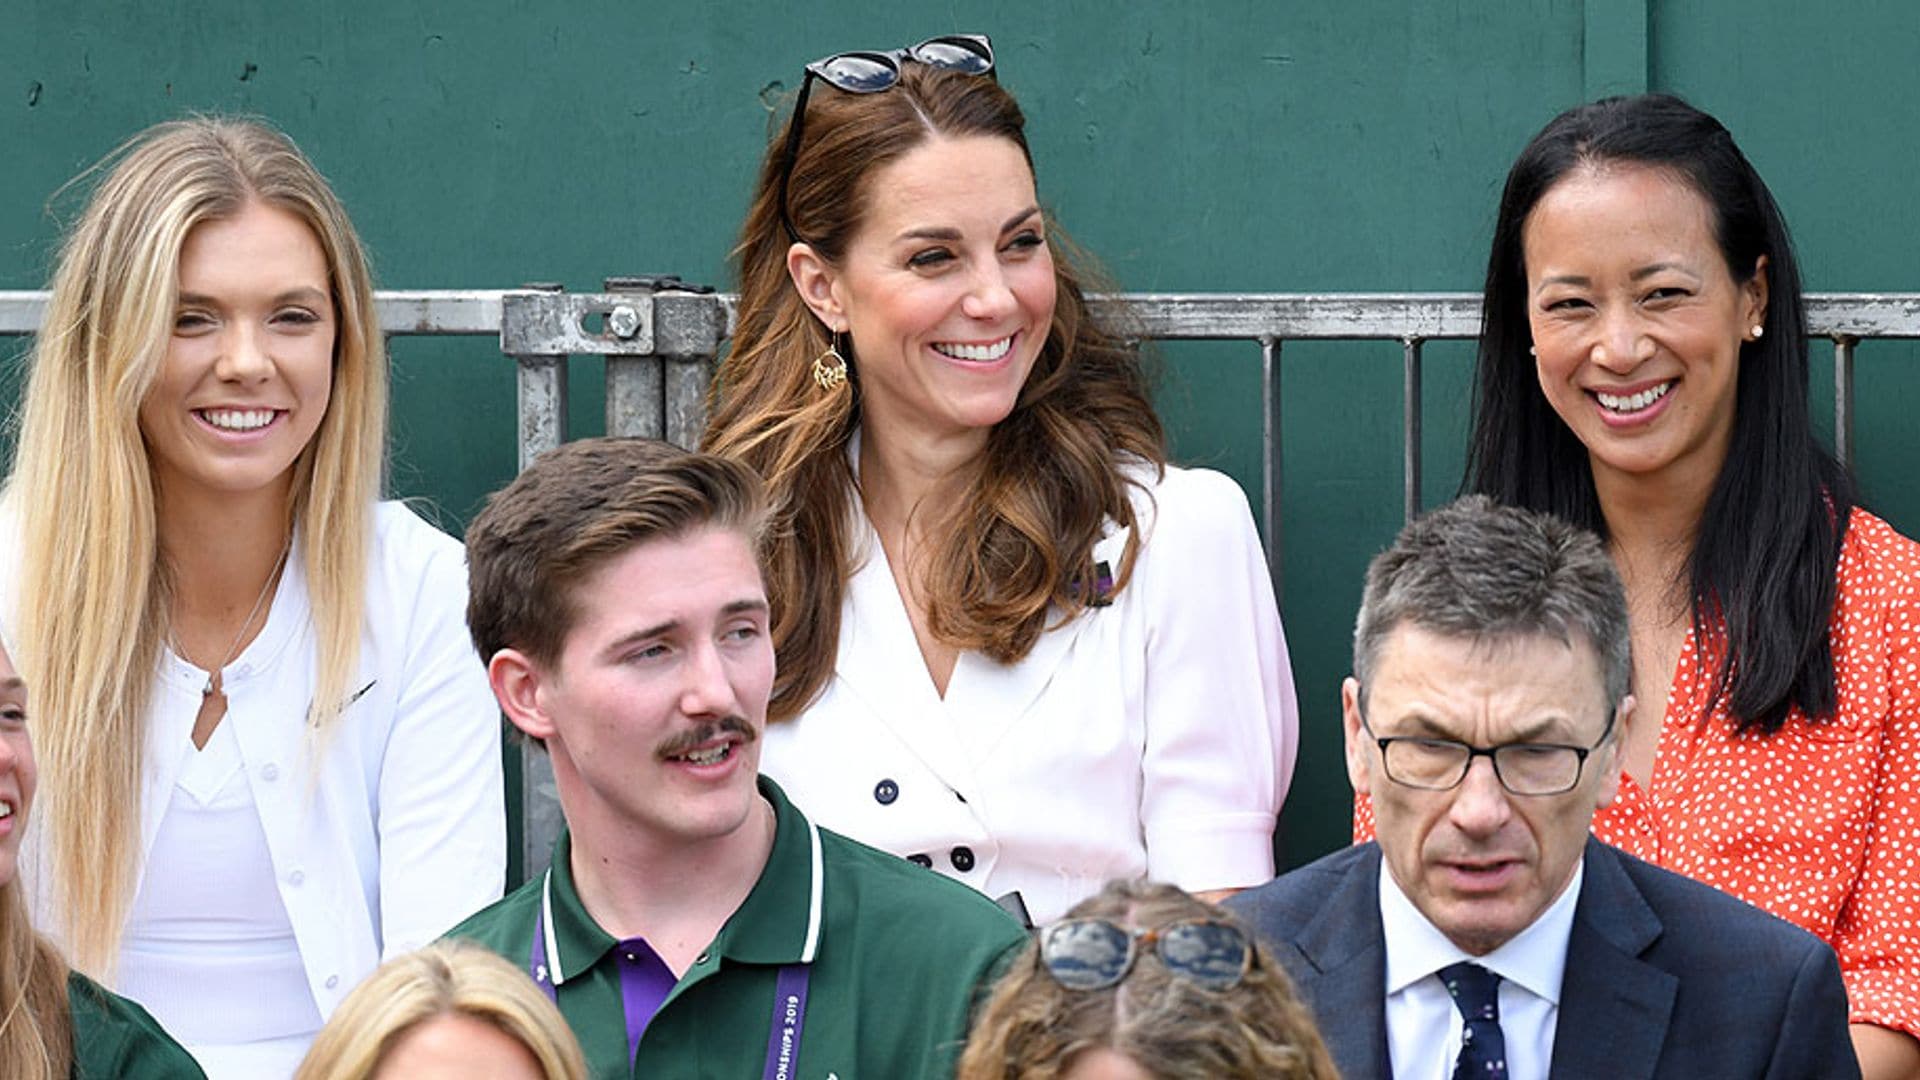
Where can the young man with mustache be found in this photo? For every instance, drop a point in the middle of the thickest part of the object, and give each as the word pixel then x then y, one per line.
pixel 694 922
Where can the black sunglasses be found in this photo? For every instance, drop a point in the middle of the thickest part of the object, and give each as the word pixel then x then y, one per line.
pixel 1093 954
pixel 872 72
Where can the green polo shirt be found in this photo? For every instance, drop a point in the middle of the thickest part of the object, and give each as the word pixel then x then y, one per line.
pixel 898 956
pixel 115 1039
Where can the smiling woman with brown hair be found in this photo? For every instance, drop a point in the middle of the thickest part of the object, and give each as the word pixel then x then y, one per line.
pixel 1014 644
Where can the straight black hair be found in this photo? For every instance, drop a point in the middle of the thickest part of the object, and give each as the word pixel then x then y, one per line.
pixel 1761 574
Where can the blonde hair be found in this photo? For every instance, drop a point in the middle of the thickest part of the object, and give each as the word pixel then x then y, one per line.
pixel 94 591
pixel 1032 1028
pixel 36 1028
pixel 445 978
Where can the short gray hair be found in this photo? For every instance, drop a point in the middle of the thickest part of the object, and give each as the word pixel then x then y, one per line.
pixel 1476 569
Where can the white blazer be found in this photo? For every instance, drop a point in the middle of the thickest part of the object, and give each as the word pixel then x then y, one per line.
pixel 397 830
pixel 1151 738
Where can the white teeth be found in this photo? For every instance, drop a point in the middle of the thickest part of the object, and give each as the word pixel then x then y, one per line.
pixel 238 419
pixel 1632 402
pixel 6 809
pixel 975 352
pixel 713 756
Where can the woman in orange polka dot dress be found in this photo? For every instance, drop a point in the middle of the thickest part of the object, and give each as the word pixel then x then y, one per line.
pixel 1643 371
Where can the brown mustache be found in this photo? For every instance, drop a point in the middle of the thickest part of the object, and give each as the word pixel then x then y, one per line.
pixel 705 733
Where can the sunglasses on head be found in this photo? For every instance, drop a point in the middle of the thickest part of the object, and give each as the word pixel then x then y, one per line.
pixel 863 72
pixel 1093 954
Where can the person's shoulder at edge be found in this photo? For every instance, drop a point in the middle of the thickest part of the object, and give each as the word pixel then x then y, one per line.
pixel 505 923
pixel 936 932
pixel 1879 547
pixel 1183 494
pixel 1190 519
pixel 1299 894
pixel 114 1037
pixel 405 536
pixel 1745 930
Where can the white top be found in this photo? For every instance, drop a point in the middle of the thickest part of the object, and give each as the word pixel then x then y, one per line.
pixel 1423 1024
pixel 208 944
pixel 389 826
pixel 1151 738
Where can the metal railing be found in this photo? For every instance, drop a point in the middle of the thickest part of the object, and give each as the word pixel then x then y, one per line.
pixel 660 339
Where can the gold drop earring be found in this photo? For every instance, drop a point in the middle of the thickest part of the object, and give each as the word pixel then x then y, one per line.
pixel 830 367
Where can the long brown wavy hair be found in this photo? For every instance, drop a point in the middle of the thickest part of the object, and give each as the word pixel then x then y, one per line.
pixel 1015 555
pixel 1032 1028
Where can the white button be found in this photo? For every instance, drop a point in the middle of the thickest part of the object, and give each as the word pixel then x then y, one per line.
pixel 297 877
pixel 270 772
pixel 333 981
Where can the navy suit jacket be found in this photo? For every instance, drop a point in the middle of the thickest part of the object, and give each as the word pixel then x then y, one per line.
pixel 1666 977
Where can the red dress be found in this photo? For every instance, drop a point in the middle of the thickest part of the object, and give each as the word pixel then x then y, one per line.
pixel 1819 824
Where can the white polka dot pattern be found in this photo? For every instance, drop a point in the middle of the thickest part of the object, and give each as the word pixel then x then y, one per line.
pixel 1819 824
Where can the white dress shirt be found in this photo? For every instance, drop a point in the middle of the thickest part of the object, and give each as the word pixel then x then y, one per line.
pixel 208 947
pixel 1424 1025
pixel 1154 737
pixel 387 826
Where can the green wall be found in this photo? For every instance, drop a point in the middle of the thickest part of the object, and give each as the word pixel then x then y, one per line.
pixel 1203 146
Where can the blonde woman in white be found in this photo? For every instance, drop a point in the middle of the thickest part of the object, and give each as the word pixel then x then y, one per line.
pixel 269 755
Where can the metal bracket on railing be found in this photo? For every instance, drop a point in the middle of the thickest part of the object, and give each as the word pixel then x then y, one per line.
pixel 633 378
pixel 562 323
pixel 661 392
pixel 693 321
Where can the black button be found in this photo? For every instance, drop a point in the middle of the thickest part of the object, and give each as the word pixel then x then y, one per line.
pixel 925 862
pixel 962 858
pixel 885 792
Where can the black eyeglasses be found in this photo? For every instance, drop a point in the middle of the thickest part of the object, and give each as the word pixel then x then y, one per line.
pixel 1522 768
pixel 1093 954
pixel 863 72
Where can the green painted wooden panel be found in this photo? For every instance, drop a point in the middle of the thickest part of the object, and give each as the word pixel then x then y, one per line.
pixel 1206 146
pixel 1821 101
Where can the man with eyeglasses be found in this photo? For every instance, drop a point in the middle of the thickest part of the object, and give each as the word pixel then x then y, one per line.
pixel 1486 717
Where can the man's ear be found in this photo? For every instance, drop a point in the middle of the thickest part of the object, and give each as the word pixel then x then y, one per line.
pixel 1359 761
pixel 1615 762
pixel 516 679
pixel 817 284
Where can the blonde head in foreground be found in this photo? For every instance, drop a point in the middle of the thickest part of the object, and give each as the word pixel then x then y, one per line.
pixel 452 1009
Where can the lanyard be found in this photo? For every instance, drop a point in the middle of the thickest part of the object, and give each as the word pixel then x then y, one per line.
pixel 789 1002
